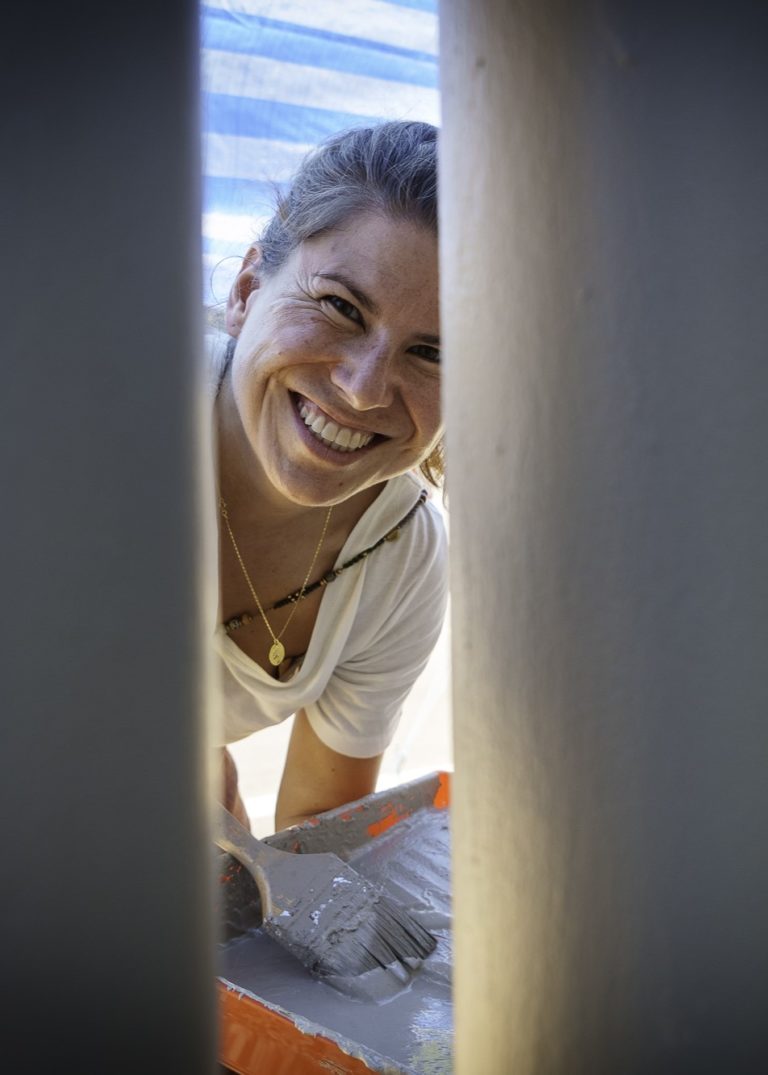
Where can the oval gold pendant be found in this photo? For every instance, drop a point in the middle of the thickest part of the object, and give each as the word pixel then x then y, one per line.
pixel 276 653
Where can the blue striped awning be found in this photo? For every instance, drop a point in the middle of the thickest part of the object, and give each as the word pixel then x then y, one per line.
pixel 280 75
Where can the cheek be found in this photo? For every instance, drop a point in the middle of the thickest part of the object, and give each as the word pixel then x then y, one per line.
pixel 294 344
pixel 425 400
pixel 303 341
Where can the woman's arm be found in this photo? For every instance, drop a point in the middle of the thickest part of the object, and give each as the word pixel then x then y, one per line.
pixel 229 792
pixel 316 778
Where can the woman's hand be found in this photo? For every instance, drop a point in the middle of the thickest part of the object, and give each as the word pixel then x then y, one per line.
pixel 316 778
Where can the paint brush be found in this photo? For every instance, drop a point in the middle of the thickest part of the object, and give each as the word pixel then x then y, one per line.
pixel 322 911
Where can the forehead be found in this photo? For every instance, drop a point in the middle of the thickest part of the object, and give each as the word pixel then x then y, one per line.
pixel 392 258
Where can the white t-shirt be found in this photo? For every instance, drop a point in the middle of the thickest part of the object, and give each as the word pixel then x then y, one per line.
pixel 376 627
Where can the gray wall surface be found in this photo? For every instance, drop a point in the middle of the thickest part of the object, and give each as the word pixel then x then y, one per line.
pixel 105 923
pixel 605 260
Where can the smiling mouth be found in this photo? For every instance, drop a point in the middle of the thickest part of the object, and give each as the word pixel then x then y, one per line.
pixel 330 433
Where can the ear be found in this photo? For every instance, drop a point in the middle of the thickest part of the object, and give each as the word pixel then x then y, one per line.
pixel 246 282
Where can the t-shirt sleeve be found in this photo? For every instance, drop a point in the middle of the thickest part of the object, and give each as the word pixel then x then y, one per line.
pixel 358 712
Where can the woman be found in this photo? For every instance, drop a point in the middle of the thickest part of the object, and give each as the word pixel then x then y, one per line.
pixel 328 404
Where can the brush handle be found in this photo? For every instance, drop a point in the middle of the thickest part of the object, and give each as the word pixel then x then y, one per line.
pixel 235 839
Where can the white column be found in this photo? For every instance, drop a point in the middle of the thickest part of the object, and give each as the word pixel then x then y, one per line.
pixel 604 237
pixel 105 924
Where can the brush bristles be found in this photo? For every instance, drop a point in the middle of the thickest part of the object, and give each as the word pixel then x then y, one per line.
pixel 377 933
pixel 388 936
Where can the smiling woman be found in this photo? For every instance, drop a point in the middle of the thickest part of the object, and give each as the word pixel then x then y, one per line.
pixel 337 331
pixel 327 411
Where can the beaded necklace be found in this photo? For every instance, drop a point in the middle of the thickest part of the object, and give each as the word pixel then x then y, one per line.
pixel 293 598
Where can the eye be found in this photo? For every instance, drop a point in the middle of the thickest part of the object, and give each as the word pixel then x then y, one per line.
pixel 423 350
pixel 346 309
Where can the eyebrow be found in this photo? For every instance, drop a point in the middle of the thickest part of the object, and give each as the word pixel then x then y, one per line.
pixel 361 296
pixel 368 302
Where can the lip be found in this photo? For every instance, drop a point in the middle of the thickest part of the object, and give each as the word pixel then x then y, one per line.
pixel 325 451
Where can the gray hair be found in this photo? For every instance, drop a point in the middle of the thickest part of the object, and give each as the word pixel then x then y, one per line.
pixel 391 167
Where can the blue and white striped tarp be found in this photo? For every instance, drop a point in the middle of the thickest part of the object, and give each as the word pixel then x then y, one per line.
pixel 280 75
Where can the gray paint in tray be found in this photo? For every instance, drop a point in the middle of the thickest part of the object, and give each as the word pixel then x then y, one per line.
pixel 394 1025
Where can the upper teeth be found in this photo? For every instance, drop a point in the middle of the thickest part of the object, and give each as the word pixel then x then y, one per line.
pixel 330 432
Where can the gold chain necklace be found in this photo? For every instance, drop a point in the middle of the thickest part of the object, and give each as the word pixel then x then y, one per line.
pixel 277 649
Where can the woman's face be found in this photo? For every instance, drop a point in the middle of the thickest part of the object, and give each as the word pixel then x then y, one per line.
pixel 336 374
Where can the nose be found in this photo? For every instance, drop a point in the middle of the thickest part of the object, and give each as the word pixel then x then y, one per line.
pixel 365 376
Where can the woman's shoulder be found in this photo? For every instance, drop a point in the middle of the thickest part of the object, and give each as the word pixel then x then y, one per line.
pixel 413 530
pixel 405 587
pixel 405 512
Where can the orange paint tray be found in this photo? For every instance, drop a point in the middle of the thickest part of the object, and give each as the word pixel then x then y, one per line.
pixel 274 1019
